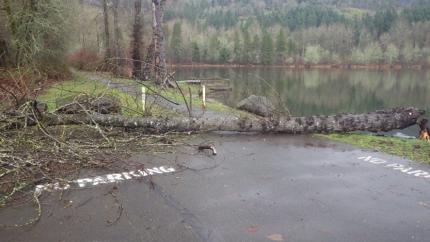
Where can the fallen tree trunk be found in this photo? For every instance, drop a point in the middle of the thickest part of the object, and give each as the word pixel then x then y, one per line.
pixel 383 120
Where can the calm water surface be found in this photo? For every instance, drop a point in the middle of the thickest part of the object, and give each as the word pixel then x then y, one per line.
pixel 313 92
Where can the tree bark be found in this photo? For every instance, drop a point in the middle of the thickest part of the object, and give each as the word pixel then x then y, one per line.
pixel 108 54
pixel 117 39
pixel 137 42
pixel 383 120
pixel 4 34
pixel 149 64
pixel 158 38
pixel 8 10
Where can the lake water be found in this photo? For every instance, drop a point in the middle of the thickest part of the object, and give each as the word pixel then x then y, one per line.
pixel 313 92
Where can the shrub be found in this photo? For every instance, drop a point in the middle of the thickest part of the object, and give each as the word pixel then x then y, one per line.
pixel 85 59
pixel 391 54
pixel 313 54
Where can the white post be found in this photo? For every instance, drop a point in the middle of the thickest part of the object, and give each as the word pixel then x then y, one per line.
pixel 143 98
pixel 204 96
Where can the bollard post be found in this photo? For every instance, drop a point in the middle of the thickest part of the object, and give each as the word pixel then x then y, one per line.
pixel 143 99
pixel 204 96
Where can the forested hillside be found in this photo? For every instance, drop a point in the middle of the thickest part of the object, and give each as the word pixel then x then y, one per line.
pixel 287 32
pixel 281 32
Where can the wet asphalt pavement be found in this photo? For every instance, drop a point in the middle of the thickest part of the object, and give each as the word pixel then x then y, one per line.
pixel 258 188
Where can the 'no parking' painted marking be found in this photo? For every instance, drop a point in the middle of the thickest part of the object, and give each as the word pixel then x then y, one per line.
pixel 105 179
pixel 396 166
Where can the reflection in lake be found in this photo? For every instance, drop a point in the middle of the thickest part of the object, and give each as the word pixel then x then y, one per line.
pixel 312 92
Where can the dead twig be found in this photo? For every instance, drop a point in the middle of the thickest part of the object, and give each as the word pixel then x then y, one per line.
pixel 208 147
pixel 185 99
pixel 156 93
pixel 119 211
pixel 32 221
pixel 96 125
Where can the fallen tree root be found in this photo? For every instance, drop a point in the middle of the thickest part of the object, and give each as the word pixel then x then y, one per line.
pixel 383 120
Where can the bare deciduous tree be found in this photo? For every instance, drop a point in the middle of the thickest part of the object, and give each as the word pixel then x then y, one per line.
pixel 137 42
pixel 149 64
pixel 108 53
pixel 4 34
pixel 158 39
pixel 117 39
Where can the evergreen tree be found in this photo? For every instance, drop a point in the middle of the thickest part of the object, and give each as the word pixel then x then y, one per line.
pixel 255 49
pixel 224 54
pixel 247 47
pixel 236 48
pixel 291 48
pixel 204 54
pixel 214 47
pixel 267 49
pixel 176 42
pixel 281 46
pixel 195 52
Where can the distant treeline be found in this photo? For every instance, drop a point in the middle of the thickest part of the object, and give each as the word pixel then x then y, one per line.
pixel 43 34
pixel 276 32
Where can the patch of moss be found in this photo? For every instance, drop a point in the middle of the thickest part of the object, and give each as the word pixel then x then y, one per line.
pixel 412 149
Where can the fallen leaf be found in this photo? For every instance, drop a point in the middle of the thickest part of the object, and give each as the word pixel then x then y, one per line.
pixel 252 229
pixel 275 237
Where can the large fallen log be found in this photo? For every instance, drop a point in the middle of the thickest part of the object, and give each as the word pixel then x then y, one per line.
pixel 383 120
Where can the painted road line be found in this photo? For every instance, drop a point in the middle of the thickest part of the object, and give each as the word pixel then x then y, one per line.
pixel 396 166
pixel 104 179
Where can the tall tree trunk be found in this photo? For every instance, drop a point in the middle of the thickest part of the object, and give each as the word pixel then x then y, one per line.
pixel 148 66
pixel 158 37
pixel 108 54
pixel 98 35
pixel 8 10
pixel 137 42
pixel 4 34
pixel 117 41
pixel 81 30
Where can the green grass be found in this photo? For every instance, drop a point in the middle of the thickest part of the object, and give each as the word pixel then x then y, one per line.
pixel 83 85
pixel 211 104
pixel 174 95
pixel 412 149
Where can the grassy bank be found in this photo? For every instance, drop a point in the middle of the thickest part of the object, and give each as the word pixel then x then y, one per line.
pixel 82 84
pixel 175 95
pixel 412 149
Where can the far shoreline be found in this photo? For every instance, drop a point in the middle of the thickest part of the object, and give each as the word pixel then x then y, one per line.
pixel 309 66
